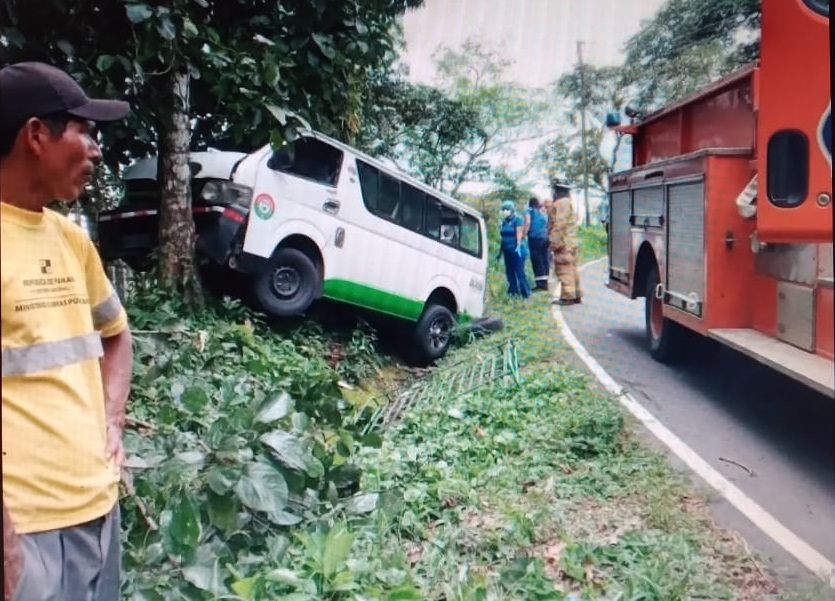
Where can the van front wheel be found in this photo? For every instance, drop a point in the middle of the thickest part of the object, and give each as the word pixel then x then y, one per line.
pixel 289 285
pixel 432 334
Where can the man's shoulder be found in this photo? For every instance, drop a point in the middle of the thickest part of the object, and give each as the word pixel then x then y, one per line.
pixel 77 235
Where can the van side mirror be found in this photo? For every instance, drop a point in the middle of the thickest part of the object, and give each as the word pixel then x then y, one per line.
pixel 612 119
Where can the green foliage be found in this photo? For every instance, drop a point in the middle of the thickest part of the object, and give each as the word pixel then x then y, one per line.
pixel 475 75
pixel 417 126
pixel 593 242
pixel 305 60
pixel 247 459
pixel 241 439
pixel 598 90
pixel 688 44
pixel 451 132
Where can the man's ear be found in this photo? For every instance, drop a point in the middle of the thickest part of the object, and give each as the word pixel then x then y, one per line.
pixel 35 135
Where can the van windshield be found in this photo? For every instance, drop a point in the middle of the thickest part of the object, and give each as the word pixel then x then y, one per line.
pixel 309 158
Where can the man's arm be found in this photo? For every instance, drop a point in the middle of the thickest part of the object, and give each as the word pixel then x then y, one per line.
pixel 12 556
pixel 116 367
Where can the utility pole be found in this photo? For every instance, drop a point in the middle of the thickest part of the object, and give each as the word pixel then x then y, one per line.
pixel 583 96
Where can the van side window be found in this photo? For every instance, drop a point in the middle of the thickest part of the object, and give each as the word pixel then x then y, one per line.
pixel 433 218
pixel 471 235
pixel 408 206
pixel 309 158
pixel 412 202
pixel 369 185
pixel 389 198
pixel 380 192
pixel 450 226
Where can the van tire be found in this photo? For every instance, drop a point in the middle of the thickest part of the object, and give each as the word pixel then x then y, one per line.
pixel 432 334
pixel 289 285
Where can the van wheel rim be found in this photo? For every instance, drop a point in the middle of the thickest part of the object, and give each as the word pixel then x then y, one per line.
pixel 286 282
pixel 439 331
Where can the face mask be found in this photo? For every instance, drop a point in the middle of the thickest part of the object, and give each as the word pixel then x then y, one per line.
pixel 505 213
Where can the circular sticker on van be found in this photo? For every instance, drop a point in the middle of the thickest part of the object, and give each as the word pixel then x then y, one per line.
pixel 264 206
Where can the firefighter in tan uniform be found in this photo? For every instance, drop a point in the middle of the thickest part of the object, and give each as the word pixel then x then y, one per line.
pixel 562 239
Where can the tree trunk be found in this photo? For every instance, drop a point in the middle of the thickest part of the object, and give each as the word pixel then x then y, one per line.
pixel 178 269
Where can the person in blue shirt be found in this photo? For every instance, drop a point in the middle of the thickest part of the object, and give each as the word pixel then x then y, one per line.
pixel 514 249
pixel 537 222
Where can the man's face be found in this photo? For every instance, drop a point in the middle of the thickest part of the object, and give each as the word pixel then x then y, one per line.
pixel 65 162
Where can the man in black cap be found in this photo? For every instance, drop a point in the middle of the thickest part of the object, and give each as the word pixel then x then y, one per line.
pixel 66 345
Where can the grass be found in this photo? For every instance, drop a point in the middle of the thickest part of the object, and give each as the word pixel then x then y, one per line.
pixel 593 242
pixel 528 488
pixel 540 490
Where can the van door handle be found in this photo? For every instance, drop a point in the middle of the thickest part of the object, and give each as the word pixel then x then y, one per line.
pixel 331 206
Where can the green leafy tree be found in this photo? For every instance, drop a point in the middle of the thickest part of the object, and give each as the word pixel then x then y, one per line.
pixel 476 77
pixel 688 44
pixel 597 90
pixel 231 74
pixel 418 127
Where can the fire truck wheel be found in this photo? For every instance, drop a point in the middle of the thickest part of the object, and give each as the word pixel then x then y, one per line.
pixel 665 338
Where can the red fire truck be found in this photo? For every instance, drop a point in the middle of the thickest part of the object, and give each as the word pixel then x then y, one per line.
pixel 724 221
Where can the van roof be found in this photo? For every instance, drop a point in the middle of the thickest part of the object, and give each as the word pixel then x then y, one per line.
pixel 447 199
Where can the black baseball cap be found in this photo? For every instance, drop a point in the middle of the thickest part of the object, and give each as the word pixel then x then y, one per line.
pixel 32 89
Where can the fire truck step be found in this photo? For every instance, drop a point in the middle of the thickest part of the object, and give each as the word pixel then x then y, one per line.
pixel 813 370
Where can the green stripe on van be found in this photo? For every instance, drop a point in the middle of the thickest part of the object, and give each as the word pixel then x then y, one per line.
pixel 372 298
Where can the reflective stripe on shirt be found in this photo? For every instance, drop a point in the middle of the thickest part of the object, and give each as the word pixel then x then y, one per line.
pixel 107 311
pixel 44 356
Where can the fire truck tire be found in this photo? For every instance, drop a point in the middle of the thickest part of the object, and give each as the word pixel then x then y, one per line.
pixel 666 339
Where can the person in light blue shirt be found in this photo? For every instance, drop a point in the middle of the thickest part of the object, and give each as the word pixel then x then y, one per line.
pixel 537 221
pixel 514 249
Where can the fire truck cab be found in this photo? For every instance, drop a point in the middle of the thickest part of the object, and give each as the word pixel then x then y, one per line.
pixel 724 222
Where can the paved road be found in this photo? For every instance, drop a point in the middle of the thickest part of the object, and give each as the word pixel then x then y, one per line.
pixel 727 408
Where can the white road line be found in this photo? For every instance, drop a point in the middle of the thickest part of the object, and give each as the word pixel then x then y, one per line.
pixel 788 540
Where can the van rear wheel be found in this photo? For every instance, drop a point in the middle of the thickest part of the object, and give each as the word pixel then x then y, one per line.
pixel 432 334
pixel 289 285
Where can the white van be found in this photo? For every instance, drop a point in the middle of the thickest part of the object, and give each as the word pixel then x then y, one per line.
pixel 321 219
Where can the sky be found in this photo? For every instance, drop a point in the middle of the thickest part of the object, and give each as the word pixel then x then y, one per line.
pixel 539 36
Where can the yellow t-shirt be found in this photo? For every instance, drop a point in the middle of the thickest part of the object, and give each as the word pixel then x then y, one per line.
pixel 57 305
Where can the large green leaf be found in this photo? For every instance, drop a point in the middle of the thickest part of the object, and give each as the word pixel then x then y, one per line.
pixel 405 593
pixel 262 488
pixel 182 531
pixel 363 503
pixel 288 449
pixel 223 512
pixel 138 12
pixel 195 399
pixel 337 547
pixel 284 518
pixel 274 408
pixel 205 571
pixel 221 479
